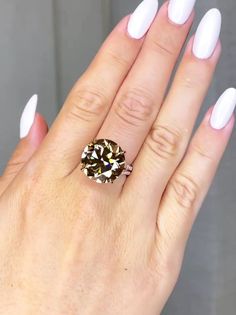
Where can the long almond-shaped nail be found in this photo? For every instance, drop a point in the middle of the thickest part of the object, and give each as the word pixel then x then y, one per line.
pixel 142 18
pixel 28 116
pixel 180 10
pixel 223 109
pixel 207 34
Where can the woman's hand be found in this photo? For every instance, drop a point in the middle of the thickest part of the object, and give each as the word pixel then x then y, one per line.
pixel 71 246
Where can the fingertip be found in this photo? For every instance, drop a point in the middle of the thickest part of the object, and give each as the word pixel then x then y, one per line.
pixel 40 122
pixel 38 131
pixel 214 57
pixel 224 132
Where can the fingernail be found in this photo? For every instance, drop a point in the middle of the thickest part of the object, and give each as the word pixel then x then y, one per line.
pixel 207 34
pixel 142 18
pixel 27 117
pixel 180 10
pixel 223 109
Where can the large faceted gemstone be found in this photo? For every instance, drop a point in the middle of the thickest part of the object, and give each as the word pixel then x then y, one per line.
pixel 103 161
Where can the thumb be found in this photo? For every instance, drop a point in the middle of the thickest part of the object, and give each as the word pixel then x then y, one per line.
pixel 27 146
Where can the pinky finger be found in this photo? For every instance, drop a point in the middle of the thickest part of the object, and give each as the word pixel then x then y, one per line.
pixel 190 183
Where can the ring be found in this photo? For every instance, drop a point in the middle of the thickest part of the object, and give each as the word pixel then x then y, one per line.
pixel 103 161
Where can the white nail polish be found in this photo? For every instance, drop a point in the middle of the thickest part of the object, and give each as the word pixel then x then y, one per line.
pixel 223 109
pixel 142 18
pixel 180 10
pixel 28 116
pixel 207 34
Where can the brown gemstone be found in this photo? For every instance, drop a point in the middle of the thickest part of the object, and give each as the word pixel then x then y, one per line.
pixel 103 161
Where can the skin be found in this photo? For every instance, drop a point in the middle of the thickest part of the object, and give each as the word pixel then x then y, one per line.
pixel 24 151
pixel 77 247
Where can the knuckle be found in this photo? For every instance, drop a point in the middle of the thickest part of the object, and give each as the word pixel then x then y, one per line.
pixel 202 152
pixel 135 107
pixel 165 45
pixel 117 59
pixel 187 82
pixel 191 81
pixel 164 142
pixel 186 191
pixel 86 104
pixel 194 75
pixel 14 166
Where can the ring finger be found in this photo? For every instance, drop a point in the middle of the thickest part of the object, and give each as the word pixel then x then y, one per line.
pixel 139 99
